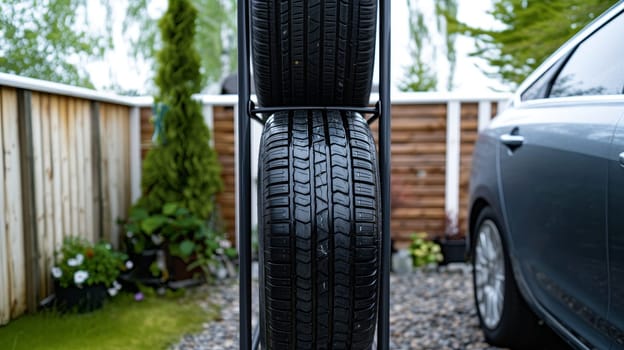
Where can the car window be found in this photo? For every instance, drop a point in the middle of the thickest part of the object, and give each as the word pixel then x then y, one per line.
pixel 541 86
pixel 597 65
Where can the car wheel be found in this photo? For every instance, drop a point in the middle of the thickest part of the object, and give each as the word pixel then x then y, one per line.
pixel 313 52
pixel 504 316
pixel 319 231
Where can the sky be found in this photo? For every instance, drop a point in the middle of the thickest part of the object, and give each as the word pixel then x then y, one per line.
pixel 468 77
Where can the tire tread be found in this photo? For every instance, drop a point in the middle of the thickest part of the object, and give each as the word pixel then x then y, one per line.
pixel 320 236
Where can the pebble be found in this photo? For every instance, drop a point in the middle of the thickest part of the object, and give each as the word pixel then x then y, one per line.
pixel 431 308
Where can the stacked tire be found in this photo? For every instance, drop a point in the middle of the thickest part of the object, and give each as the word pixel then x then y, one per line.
pixel 319 202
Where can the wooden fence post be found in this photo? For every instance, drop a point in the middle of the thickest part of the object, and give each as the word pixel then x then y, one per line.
pixel 135 153
pixel 96 164
pixel 31 249
pixel 14 233
pixel 5 285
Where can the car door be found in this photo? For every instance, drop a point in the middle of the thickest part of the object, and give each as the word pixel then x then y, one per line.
pixel 553 160
pixel 615 326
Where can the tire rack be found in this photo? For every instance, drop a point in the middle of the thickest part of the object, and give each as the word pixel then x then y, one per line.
pixel 247 111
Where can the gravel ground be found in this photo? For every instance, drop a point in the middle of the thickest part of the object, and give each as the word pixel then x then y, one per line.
pixel 430 309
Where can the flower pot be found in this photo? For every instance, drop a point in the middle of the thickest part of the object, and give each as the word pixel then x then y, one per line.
pixel 453 250
pixel 179 269
pixel 142 263
pixel 79 299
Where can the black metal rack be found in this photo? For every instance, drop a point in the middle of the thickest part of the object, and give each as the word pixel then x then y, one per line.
pixel 246 111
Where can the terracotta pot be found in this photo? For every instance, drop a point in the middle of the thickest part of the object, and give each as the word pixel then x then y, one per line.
pixel 179 271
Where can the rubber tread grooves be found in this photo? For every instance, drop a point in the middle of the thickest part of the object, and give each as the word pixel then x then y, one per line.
pixel 320 231
pixel 312 52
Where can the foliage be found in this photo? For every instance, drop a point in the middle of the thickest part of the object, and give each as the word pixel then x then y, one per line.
pixel 80 262
pixel 49 40
pixel 215 37
pixel 444 9
pixel 154 323
pixel 422 75
pixel 424 251
pixel 182 168
pixel 530 31
pixel 183 234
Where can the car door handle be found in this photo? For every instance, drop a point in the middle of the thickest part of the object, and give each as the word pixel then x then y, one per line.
pixel 512 140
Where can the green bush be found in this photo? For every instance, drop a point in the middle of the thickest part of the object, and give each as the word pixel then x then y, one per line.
pixel 80 262
pixel 184 235
pixel 424 251
pixel 182 167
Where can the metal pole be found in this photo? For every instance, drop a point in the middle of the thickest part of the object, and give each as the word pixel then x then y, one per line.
pixel 244 176
pixel 383 325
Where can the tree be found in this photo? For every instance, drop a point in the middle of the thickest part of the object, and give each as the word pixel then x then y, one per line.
pixel 182 168
pixel 49 40
pixel 422 75
pixel 215 38
pixel 530 31
pixel 444 9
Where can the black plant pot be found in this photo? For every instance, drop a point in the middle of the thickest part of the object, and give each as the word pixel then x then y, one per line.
pixel 81 300
pixel 141 272
pixel 453 250
pixel 142 263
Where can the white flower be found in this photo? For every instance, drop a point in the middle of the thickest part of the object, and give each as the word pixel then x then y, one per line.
pixel 79 258
pixel 219 251
pixel 225 244
pixel 129 234
pixel 112 292
pixel 116 285
pixel 72 262
pixel 221 273
pixel 108 246
pixel 57 272
pixel 157 239
pixel 129 264
pixel 80 277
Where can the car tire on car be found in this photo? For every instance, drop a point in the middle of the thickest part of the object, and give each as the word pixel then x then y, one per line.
pixel 504 316
pixel 313 52
pixel 319 227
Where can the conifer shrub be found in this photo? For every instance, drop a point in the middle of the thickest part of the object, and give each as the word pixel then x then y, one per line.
pixel 182 167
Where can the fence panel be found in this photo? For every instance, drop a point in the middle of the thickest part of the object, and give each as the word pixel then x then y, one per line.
pixel 115 166
pixel 13 235
pixel 5 298
pixel 68 174
pixel 418 168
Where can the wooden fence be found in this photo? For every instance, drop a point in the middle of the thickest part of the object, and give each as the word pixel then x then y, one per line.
pixel 64 171
pixel 71 163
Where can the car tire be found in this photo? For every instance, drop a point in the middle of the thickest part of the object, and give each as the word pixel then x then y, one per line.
pixel 514 325
pixel 313 52
pixel 319 231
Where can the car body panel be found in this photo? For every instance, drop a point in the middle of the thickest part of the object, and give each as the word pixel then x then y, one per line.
pixel 615 219
pixel 559 197
pixel 554 189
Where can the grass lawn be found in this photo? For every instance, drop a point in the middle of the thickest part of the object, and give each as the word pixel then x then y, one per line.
pixel 154 323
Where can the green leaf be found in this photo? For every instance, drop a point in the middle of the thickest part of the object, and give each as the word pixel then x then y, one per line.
pixel 138 214
pixel 154 269
pixel 153 223
pixel 186 248
pixel 170 209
